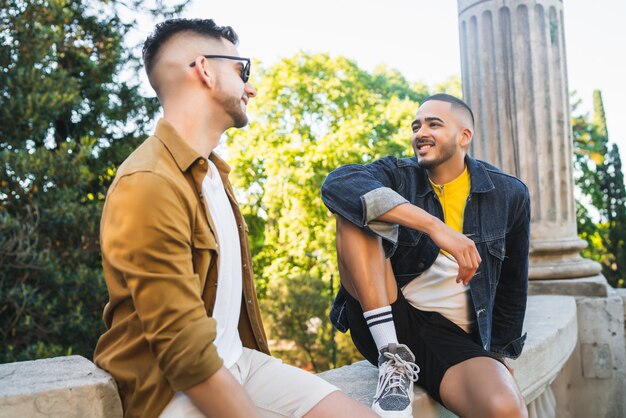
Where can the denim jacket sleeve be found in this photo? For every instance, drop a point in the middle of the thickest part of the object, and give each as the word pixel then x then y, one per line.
pixel 510 302
pixel 361 193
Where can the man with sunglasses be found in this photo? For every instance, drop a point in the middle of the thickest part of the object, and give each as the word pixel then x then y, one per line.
pixel 184 335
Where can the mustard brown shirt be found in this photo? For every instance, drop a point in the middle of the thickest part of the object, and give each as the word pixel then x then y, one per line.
pixel 160 257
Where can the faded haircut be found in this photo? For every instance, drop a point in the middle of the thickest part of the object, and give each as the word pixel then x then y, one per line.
pixel 457 104
pixel 166 30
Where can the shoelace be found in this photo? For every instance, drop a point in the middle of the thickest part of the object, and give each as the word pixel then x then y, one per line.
pixel 395 371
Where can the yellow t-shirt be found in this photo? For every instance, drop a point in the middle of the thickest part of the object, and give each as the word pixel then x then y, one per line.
pixel 436 289
pixel 453 197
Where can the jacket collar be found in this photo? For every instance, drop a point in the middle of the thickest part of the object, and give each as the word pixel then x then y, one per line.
pixel 480 180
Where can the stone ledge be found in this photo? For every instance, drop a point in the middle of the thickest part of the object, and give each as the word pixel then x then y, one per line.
pixel 552 327
pixel 63 387
pixel 72 386
pixel 552 333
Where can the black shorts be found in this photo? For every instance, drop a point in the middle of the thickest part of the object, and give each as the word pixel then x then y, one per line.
pixel 436 342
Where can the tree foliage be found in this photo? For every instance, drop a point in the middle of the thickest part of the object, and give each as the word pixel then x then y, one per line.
pixel 601 211
pixel 67 118
pixel 313 113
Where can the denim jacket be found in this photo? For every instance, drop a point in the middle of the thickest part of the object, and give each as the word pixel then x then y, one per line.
pixel 496 218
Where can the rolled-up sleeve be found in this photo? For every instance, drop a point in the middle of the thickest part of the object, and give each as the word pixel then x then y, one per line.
pixel 362 193
pixel 146 236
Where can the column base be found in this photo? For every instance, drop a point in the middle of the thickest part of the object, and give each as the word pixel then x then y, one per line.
pixel 562 267
pixel 595 286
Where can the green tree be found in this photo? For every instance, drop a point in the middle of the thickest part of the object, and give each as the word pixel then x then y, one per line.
pixel 601 211
pixel 70 111
pixel 615 213
pixel 313 114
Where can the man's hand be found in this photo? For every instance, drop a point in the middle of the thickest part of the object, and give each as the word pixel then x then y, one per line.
pixel 458 246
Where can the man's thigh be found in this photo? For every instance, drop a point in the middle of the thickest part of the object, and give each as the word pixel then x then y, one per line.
pixel 278 389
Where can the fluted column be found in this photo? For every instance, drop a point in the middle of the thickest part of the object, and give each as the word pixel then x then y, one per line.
pixel 515 79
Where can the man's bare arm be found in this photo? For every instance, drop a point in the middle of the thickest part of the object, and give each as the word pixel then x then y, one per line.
pixel 458 245
pixel 222 396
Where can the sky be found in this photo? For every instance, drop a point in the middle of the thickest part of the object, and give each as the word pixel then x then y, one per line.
pixel 420 38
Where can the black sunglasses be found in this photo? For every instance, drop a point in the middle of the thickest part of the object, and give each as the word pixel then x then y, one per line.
pixel 245 70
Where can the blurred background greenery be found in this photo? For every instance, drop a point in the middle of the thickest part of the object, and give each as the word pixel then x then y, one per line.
pixel 72 108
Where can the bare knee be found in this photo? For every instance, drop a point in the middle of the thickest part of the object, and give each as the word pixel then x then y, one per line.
pixel 509 404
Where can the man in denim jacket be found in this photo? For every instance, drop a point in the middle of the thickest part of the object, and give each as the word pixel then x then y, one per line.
pixel 433 258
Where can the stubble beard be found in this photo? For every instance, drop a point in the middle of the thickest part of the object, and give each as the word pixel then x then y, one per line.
pixel 234 108
pixel 240 119
pixel 237 113
pixel 447 151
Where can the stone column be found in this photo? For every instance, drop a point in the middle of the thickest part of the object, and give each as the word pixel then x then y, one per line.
pixel 515 79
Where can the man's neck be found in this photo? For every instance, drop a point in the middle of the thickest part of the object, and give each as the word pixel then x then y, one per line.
pixel 195 129
pixel 447 172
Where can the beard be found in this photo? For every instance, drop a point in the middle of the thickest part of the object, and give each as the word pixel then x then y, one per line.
pixel 447 150
pixel 236 111
pixel 232 106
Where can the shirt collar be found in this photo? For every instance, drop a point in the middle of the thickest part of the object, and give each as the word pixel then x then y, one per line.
pixel 183 154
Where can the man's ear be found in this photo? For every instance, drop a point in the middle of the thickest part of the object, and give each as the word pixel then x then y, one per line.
pixel 466 137
pixel 203 72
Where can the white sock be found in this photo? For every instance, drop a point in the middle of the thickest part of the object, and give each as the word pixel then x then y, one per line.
pixel 380 323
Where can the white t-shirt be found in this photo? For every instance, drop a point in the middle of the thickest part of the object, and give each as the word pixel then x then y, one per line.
pixel 436 290
pixel 229 278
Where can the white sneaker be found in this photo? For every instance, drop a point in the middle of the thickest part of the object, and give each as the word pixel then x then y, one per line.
pixel 396 373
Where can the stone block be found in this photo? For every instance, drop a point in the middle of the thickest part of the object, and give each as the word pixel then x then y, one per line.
pixel 61 387
pixel 597 361
pixel 597 388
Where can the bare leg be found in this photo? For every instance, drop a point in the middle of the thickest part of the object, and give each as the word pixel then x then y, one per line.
pixel 369 278
pixel 482 387
pixel 364 271
pixel 338 404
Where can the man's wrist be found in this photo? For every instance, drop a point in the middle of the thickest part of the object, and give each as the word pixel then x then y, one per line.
pixel 432 225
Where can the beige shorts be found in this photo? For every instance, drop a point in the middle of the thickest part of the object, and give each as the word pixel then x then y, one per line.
pixel 276 389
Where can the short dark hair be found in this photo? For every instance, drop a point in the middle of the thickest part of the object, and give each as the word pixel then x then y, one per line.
pixel 456 103
pixel 165 30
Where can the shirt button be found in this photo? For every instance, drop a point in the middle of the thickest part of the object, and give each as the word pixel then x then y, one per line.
pixel 240 226
pixel 244 265
pixel 420 265
pixel 250 301
pixel 201 162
